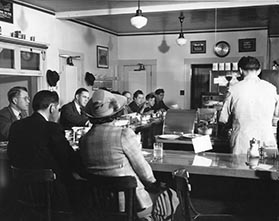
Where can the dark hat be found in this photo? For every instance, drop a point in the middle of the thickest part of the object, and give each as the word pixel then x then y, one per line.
pixel 105 104
pixel 52 78
pixel 89 79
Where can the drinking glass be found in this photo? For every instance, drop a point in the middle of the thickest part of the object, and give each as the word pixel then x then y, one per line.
pixel 157 151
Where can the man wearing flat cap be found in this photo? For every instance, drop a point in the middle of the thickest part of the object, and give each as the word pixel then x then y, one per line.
pixel 110 150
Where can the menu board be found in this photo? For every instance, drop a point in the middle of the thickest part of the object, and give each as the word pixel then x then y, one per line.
pixel 247 45
pixel 198 47
pixel 6 11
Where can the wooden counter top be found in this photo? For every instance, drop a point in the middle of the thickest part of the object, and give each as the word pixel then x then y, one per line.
pixel 216 164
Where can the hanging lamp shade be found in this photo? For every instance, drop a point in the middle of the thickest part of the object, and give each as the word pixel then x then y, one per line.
pixel 181 40
pixel 138 20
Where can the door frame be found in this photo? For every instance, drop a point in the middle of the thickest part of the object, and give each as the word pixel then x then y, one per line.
pixel 62 62
pixel 135 62
pixel 192 79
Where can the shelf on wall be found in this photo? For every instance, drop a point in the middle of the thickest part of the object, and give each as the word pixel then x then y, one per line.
pixel 22 42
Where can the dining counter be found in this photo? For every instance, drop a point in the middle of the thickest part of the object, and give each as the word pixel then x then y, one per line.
pixel 184 143
pixel 216 164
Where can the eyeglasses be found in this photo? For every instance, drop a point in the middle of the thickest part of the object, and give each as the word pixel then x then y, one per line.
pixel 26 98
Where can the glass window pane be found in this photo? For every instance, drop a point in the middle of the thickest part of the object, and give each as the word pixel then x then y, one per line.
pixel 7 58
pixel 30 60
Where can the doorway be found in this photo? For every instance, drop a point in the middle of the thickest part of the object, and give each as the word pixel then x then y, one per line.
pixel 71 74
pixel 199 83
pixel 137 75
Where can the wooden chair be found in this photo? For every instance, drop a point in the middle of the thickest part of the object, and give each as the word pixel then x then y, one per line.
pixel 33 194
pixel 108 193
pixel 183 189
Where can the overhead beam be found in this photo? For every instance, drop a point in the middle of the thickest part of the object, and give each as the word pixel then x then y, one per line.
pixel 164 8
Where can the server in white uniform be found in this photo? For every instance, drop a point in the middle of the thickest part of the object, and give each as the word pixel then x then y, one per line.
pixel 251 105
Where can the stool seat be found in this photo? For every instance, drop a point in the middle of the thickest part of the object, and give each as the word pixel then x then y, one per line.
pixel 34 191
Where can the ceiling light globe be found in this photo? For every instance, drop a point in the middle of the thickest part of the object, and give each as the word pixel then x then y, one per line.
pixel 138 21
pixel 181 41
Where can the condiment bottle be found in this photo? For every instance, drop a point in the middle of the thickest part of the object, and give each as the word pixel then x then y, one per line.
pixel 253 151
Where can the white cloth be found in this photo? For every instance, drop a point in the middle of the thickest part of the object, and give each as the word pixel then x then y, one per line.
pixel 252 103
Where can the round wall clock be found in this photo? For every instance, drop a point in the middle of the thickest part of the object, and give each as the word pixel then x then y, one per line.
pixel 222 48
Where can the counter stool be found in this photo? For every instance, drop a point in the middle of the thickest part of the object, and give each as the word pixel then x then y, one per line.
pixel 33 194
pixel 183 188
pixel 113 198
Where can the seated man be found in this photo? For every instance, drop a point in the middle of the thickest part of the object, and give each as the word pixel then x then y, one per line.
pixel 159 104
pixel 72 114
pixel 38 142
pixel 128 95
pixel 138 104
pixel 127 109
pixel 110 150
pixel 17 109
pixel 150 101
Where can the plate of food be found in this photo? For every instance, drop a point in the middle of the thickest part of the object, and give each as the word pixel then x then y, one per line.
pixel 169 136
pixel 190 135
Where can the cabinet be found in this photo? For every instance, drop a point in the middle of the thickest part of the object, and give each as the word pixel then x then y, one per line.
pixel 21 57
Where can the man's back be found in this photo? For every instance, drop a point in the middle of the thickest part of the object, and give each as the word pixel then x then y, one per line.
pixel 252 103
pixel 35 143
pixel 254 99
pixel 113 151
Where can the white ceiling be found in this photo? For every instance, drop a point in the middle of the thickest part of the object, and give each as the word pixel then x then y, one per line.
pixel 114 15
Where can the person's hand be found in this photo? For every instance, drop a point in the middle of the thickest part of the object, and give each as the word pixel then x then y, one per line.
pixel 145 104
pixel 156 187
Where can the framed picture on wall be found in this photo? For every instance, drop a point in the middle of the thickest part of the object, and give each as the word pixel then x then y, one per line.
pixel 247 45
pixel 6 11
pixel 198 47
pixel 102 57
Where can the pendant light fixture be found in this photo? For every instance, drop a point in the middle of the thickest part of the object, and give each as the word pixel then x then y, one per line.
pixel 138 20
pixel 181 40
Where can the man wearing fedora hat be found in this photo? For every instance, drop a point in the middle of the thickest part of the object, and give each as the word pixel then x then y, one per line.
pixel 111 150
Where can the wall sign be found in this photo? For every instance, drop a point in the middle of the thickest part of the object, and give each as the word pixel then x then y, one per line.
pixel 247 45
pixel 198 47
pixel 6 11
